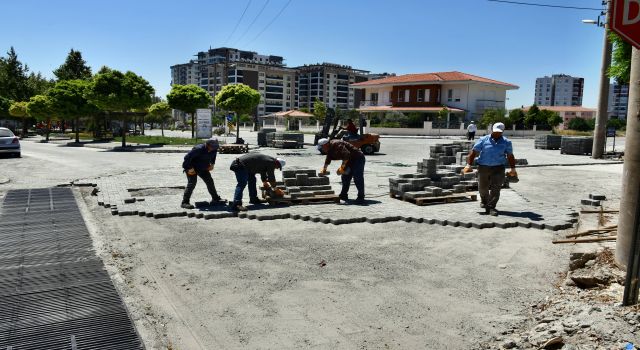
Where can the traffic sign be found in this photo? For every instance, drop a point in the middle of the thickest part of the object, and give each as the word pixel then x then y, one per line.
pixel 230 117
pixel 624 19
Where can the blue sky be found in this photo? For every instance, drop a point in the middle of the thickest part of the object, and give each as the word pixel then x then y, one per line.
pixel 506 42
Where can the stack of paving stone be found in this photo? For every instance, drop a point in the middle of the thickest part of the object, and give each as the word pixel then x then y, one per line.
pixel 285 139
pixel 262 136
pixel 594 200
pixel 305 183
pixel 446 154
pixel 576 145
pixel 548 142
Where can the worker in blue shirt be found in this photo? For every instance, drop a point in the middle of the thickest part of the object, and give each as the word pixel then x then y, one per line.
pixel 492 150
pixel 199 163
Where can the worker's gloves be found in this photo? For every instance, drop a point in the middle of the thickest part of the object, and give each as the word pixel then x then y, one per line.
pixel 513 172
pixel 467 169
pixel 191 172
pixel 210 167
pixel 323 171
pixel 278 192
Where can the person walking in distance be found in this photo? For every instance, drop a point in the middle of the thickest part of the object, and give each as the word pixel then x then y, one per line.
pixel 352 165
pixel 471 131
pixel 493 151
pixel 246 168
pixel 199 162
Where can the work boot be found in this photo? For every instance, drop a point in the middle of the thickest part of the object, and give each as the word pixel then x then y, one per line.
pixel 360 201
pixel 255 201
pixel 186 205
pixel 482 205
pixel 343 197
pixel 216 198
pixel 493 212
pixel 238 207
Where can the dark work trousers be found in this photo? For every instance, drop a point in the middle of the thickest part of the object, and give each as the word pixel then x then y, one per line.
pixel 471 135
pixel 356 172
pixel 490 181
pixel 191 184
pixel 244 177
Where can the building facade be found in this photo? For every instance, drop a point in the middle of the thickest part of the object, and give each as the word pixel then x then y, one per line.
pixel 281 88
pixel 618 101
pixel 568 112
pixel 559 90
pixel 464 94
pixel 329 83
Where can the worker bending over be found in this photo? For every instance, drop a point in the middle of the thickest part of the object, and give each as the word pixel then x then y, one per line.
pixel 492 150
pixel 352 165
pixel 246 167
pixel 199 162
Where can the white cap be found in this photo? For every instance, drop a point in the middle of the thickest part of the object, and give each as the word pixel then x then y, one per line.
pixel 322 142
pixel 498 127
pixel 472 122
pixel 281 161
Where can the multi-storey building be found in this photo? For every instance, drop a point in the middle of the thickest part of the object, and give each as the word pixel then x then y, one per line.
pixel 559 90
pixel 329 83
pixel 465 95
pixel 618 101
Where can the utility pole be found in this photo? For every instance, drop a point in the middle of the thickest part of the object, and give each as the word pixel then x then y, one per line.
pixel 628 239
pixel 600 132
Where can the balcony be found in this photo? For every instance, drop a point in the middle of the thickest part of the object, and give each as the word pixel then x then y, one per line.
pixel 373 103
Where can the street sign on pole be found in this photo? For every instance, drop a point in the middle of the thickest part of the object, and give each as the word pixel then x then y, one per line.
pixel 624 19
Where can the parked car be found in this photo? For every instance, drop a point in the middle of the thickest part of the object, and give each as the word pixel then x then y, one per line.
pixel 9 143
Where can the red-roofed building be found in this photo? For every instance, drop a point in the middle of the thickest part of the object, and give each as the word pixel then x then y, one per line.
pixel 466 95
pixel 568 112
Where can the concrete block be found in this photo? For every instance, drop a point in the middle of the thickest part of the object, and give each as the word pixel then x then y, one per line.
pixel 290 182
pixel 466 224
pixel 524 224
pixel 599 197
pixel 538 225
pixel 405 176
pixel 150 215
pixel 302 179
pixel 592 202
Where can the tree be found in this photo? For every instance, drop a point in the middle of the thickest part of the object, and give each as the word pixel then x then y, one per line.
pixel 41 108
pixel 19 110
pixel 13 78
pixel 160 112
pixel 319 109
pixel 532 114
pixel 616 123
pixel 620 68
pixel 517 116
pixel 5 104
pixel 120 94
pixel 549 118
pixel 442 115
pixel 239 99
pixel 188 98
pixel 69 101
pixel 579 124
pixel 74 67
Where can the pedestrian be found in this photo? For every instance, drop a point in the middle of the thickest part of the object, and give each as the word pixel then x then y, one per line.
pixel 246 168
pixel 352 166
pixel 471 131
pixel 199 162
pixel 493 152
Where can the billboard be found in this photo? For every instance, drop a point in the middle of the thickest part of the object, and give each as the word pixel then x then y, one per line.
pixel 203 123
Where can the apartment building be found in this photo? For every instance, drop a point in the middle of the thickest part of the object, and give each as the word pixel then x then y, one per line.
pixel 559 90
pixel 465 95
pixel 618 101
pixel 329 83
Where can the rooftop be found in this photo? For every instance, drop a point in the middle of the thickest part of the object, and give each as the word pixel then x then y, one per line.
pixel 431 78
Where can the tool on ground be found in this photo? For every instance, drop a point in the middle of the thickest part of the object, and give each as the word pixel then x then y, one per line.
pixel 512 176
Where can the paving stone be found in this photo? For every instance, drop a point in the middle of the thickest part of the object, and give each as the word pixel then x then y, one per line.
pixel 592 202
pixel 599 197
pixel 537 225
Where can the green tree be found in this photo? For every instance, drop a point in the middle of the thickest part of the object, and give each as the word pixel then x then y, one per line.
pixel 18 110
pixel 41 107
pixel 517 116
pixel 188 98
pixel 74 67
pixel 441 116
pixel 69 102
pixel 120 94
pixel 579 124
pixel 160 112
pixel 549 118
pixel 14 78
pixel 319 109
pixel 616 123
pixel 239 99
pixel 531 116
pixel 5 104
pixel 620 68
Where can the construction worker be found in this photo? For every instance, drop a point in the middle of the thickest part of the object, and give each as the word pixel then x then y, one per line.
pixel 352 166
pixel 491 151
pixel 199 162
pixel 246 167
pixel 471 131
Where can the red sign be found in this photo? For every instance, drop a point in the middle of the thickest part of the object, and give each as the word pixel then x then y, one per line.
pixel 624 19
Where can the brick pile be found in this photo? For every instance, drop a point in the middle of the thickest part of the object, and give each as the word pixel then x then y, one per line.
pixel 284 139
pixel 576 145
pixel 548 141
pixel 305 183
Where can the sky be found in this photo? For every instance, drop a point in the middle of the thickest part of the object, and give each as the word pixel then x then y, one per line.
pixel 506 42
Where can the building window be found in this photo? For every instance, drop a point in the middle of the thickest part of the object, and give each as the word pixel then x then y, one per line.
pixel 420 95
pixel 450 95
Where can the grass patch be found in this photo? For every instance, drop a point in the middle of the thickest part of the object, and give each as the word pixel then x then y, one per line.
pixel 574 133
pixel 159 140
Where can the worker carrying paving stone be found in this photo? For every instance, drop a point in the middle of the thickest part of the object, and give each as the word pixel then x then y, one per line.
pixel 352 166
pixel 491 151
pixel 199 162
pixel 246 167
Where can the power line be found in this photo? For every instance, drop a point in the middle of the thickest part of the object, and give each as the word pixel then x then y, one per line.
pixel 546 5
pixel 252 22
pixel 273 20
pixel 238 23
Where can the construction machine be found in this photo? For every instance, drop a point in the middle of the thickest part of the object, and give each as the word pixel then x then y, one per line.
pixel 368 143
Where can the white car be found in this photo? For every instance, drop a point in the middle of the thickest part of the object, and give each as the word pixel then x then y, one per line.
pixel 9 143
